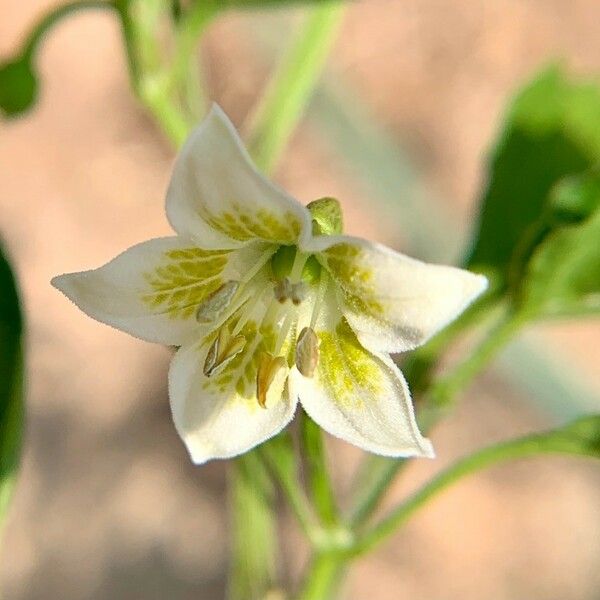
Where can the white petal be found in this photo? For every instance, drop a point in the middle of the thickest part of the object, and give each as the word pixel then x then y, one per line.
pixel 153 289
pixel 217 196
pixel 213 419
pixel 358 396
pixel 394 303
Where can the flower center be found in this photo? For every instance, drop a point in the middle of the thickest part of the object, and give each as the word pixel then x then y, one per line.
pixel 256 331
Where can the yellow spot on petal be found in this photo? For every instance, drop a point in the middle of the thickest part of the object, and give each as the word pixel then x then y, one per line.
pixel 183 280
pixel 345 367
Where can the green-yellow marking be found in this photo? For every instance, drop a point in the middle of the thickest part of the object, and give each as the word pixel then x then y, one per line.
pixel 355 279
pixel 243 225
pixel 181 283
pixel 345 368
pixel 240 374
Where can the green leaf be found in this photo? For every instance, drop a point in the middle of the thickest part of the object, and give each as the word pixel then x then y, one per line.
pixel 18 86
pixel 552 131
pixel 11 382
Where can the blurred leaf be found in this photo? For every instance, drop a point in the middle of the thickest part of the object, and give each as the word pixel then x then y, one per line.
pixel 11 382
pixel 563 278
pixel 18 86
pixel 269 3
pixel 552 131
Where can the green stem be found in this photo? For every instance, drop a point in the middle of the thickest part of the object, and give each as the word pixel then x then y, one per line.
pixel 420 364
pixel 51 18
pixel 150 86
pixel 323 577
pixel 519 448
pixel 292 84
pixel 443 392
pixel 318 479
pixel 375 476
pixel 281 461
pixel 127 30
pixel 174 124
pixel 377 473
pixel 189 31
pixel 253 567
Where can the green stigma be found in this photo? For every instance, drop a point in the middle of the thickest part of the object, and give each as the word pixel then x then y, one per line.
pixel 283 259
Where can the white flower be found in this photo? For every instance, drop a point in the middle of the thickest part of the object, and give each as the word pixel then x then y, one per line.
pixel 271 305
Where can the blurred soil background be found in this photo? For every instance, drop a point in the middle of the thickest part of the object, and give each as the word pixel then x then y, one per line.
pixel 108 504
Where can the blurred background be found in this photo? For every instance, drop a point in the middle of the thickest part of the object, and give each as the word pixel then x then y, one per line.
pixel 107 503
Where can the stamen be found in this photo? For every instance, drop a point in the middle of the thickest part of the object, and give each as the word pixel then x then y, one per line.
pixel 299 292
pixel 260 263
pixel 282 290
pixel 224 348
pixel 323 282
pixel 307 352
pixel 299 262
pixel 269 367
pixel 216 303
pixel 284 330
pixel 248 310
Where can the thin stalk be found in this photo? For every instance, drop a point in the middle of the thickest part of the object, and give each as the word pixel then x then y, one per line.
pixel 153 94
pixel 377 473
pixel 519 448
pixel 253 567
pixel 445 389
pixel 318 480
pixel 289 91
pixel 282 465
pixel 323 577
pixel 52 17
pixel 375 477
pixel 190 28
pixel 127 31
pixel 149 82
pixel 420 364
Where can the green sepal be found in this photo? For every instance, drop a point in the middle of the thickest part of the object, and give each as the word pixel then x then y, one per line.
pixel 326 216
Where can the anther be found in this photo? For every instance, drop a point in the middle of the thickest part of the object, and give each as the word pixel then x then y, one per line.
pixel 299 292
pixel 307 352
pixel 222 351
pixel 269 368
pixel 282 290
pixel 213 306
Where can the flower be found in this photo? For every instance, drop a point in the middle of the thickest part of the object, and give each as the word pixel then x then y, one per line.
pixel 271 304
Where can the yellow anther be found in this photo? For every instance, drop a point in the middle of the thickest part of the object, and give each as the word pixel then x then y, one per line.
pixel 270 368
pixel 222 351
pixel 307 352
pixel 213 306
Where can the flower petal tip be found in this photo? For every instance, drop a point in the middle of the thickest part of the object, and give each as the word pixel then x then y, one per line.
pixel 427 450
